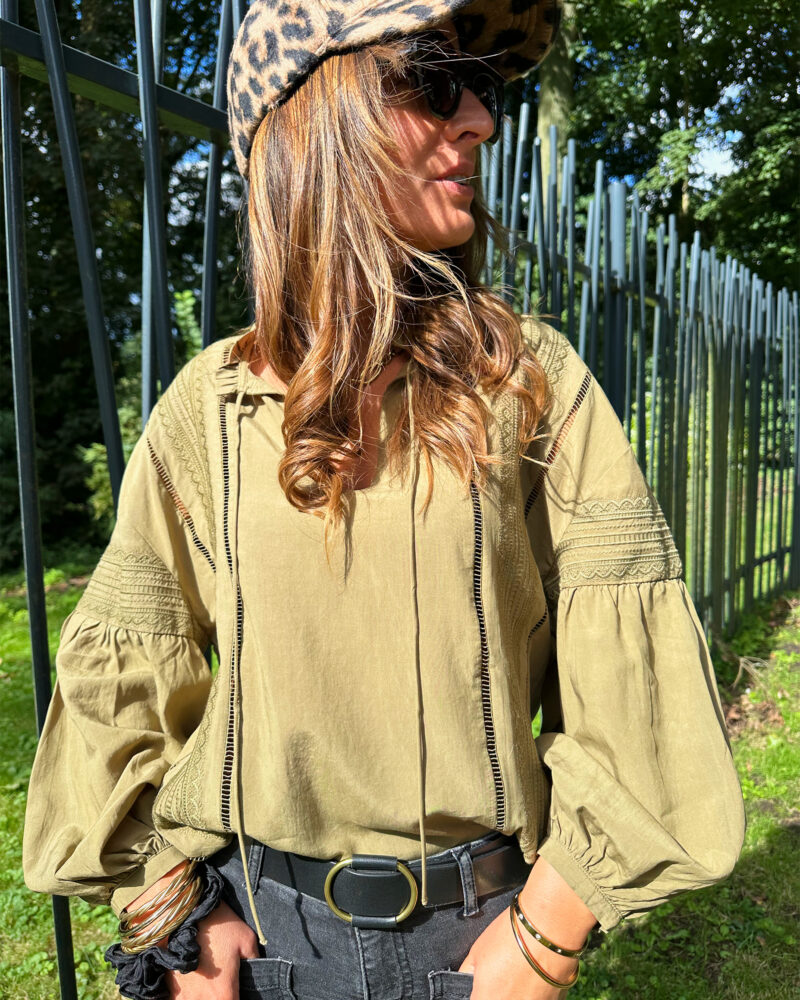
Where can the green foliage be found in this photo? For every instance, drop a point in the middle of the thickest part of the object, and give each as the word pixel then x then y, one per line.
pixel 187 322
pixel 98 480
pixel 64 393
pixel 657 81
pixel 95 455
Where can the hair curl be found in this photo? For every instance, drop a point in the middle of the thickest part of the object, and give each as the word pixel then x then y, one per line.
pixel 335 286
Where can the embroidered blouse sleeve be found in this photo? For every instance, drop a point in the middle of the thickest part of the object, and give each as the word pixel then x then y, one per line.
pixel 645 801
pixel 132 680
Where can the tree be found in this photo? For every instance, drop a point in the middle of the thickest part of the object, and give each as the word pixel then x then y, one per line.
pixel 656 81
pixel 111 154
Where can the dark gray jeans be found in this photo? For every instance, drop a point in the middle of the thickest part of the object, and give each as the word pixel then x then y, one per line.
pixel 311 954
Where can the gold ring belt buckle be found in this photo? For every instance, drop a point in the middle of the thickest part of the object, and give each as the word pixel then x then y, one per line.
pixel 344 915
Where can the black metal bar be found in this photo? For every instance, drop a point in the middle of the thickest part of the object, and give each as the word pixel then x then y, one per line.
pixel 570 192
pixel 552 231
pixel 794 565
pixel 753 443
pixel 614 333
pixel 25 425
pixel 148 367
pixel 154 195
pixel 516 195
pixel 629 316
pixel 101 81
pixel 84 240
pixel 599 215
pixel 208 294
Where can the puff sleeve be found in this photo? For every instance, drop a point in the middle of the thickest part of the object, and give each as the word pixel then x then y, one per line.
pixel 645 800
pixel 132 681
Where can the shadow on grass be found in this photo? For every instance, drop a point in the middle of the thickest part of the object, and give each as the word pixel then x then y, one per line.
pixel 732 941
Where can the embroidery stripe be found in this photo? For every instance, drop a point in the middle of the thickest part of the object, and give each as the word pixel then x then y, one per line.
pixel 179 504
pixel 227 764
pixel 486 691
pixel 556 446
pixel 538 625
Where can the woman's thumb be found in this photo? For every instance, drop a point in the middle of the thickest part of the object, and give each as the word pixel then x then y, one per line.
pixel 468 965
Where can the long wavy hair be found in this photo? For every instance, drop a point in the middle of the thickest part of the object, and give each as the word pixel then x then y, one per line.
pixel 336 286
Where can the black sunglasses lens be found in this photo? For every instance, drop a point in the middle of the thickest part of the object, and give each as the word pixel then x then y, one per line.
pixel 489 92
pixel 441 88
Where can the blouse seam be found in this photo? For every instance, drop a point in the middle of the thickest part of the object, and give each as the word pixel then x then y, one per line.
pixel 612 583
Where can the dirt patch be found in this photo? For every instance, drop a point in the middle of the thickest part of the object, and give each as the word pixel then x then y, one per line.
pixel 792 823
pixel 59 588
pixel 744 715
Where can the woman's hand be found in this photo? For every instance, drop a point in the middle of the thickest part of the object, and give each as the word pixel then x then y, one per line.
pixel 224 940
pixel 500 971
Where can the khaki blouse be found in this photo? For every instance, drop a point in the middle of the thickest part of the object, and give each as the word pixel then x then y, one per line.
pixel 381 702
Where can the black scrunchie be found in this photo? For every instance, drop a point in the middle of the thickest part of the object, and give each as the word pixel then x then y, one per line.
pixel 141 977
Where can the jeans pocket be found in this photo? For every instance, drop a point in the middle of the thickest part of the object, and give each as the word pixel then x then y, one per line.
pixel 265 979
pixel 445 984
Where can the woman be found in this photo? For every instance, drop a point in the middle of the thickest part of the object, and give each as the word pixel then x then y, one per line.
pixel 388 506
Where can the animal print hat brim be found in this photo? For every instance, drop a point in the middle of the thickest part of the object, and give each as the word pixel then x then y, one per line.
pixel 279 43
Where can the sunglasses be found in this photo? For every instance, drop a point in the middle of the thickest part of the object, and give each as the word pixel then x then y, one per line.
pixel 442 81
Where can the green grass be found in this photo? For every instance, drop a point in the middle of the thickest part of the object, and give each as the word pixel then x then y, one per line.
pixel 739 940
pixel 734 941
pixel 27 947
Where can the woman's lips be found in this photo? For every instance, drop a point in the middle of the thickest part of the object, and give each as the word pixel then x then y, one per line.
pixel 456 187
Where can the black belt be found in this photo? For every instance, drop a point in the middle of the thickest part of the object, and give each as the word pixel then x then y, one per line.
pixel 378 891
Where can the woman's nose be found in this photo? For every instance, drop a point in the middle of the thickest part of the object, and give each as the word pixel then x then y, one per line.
pixel 472 116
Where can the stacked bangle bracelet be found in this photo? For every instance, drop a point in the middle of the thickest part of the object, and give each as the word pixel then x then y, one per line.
pixel 518 916
pixel 141 928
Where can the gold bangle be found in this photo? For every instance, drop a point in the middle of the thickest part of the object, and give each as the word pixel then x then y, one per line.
pixel 567 952
pixel 175 884
pixel 138 940
pixel 167 908
pixel 167 915
pixel 137 928
pixel 535 965
pixel 141 918
pixel 168 925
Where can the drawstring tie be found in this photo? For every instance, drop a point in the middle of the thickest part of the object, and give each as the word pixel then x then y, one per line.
pixel 236 680
pixel 414 450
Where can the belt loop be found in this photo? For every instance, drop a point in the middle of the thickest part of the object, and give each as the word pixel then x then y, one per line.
pixel 255 860
pixel 464 860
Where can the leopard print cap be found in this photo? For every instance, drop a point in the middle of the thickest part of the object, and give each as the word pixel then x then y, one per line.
pixel 280 42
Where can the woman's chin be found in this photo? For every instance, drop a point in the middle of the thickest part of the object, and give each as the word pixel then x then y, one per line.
pixel 447 237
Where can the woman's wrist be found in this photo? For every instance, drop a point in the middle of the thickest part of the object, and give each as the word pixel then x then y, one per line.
pixel 141 975
pixel 561 916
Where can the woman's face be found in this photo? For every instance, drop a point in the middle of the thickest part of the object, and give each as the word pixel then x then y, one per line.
pixel 432 213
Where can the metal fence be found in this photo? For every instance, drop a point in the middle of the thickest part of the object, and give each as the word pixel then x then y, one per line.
pixel 698 355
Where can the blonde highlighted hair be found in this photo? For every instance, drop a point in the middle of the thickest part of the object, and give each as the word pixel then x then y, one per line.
pixel 335 286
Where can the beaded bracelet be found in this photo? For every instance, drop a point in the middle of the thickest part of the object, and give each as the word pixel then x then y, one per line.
pixel 534 964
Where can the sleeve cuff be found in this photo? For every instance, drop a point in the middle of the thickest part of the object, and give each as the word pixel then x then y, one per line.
pixel 578 880
pixel 141 878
